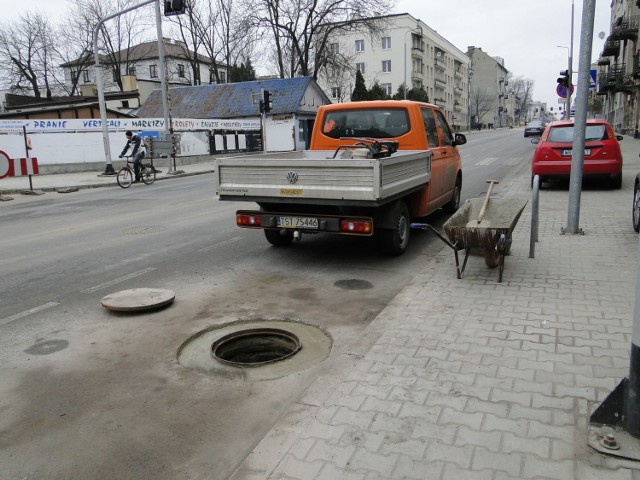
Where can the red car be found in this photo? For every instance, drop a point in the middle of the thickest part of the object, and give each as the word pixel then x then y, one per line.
pixel 602 156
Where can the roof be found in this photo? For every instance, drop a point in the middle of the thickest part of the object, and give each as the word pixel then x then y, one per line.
pixel 233 100
pixel 144 51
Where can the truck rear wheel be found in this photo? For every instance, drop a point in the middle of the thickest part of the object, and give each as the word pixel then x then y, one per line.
pixel 279 238
pixel 394 240
pixel 454 203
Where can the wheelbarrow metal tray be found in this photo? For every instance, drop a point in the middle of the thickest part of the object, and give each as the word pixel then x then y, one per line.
pixel 501 217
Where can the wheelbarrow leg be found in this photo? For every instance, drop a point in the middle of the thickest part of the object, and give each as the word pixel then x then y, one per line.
pixel 501 267
pixel 464 262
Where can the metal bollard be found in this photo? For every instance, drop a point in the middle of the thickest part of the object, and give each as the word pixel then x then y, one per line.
pixel 535 195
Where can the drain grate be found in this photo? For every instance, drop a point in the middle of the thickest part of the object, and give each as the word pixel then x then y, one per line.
pixel 255 347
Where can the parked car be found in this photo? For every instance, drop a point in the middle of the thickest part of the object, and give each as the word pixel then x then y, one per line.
pixel 635 213
pixel 533 129
pixel 602 155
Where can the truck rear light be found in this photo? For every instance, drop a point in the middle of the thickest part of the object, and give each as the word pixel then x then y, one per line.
pixel 248 220
pixel 355 226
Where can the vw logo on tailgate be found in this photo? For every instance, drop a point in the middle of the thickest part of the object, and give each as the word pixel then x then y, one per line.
pixel 292 177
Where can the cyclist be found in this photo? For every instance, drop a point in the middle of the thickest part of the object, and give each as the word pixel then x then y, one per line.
pixel 137 153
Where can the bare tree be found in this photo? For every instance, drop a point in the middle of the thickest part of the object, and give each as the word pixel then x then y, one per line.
pixel 522 89
pixel 75 48
pixel 27 54
pixel 481 104
pixel 300 30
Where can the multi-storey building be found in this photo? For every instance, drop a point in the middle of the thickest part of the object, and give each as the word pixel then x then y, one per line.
pixel 407 52
pixel 490 97
pixel 143 62
pixel 619 68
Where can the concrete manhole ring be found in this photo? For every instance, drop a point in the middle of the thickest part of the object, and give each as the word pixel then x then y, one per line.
pixel 216 351
pixel 138 299
pixel 143 229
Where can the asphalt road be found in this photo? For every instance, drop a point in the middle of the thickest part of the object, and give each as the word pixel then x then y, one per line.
pixel 86 393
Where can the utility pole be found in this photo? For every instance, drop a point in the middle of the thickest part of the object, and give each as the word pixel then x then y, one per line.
pixel 580 124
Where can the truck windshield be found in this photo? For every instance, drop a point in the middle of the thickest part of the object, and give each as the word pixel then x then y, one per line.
pixel 373 123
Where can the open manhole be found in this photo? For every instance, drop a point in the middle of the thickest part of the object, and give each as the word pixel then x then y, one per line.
pixel 255 347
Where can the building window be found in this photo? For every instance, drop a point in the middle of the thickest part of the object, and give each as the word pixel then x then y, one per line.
pixel 223 76
pixel 334 48
pixel 125 103
pixel 386 43
pixel 386 66
pixel 181 70
pixel 387 88
pixel 335 92
pixel 360 67
pixel 85 76
pixel 131 70
pixel 153 71
pixel 359 46
pixel 116 74
pixel 74 76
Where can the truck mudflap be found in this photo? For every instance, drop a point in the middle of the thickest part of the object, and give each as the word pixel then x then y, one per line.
pixel 305 223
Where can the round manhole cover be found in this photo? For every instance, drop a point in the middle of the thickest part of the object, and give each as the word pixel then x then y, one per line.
pixel 255 347
pixel 138 299
pixel 143 229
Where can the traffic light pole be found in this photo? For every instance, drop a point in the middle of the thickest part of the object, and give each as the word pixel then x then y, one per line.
pixel 100 80
pixel 567 108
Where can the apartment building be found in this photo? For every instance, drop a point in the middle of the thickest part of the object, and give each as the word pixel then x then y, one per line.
pixel 619 69
pixel 490 97
pixel 407 52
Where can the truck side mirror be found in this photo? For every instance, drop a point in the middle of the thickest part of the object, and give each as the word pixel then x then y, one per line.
pixel 459 139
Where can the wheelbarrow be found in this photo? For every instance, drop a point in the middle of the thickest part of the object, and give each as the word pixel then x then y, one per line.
pixel 481 223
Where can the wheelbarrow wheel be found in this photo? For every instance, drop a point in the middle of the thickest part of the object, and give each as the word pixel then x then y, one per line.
pixel 492 257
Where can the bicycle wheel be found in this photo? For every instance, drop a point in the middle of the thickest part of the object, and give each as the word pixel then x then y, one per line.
pixel 125 177
pixel 147 175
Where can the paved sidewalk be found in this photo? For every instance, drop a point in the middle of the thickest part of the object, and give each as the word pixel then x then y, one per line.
pixel 475 379
pixel 62 182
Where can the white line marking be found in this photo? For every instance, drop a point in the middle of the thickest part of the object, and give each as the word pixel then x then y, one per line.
pixel 117 280
pixel 487 161
pixel 26 313
pixel 215 245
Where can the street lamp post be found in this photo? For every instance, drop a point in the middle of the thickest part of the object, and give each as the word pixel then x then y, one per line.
pixel 567 107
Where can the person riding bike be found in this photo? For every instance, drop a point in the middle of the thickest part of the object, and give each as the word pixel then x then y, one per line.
pixel 137 153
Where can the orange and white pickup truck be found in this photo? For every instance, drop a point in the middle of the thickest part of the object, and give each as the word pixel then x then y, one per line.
pixel 371 168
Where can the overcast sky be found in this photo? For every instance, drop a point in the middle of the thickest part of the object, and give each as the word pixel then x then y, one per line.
pixel 523 32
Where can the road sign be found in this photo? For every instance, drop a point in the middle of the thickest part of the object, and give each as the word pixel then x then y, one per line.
pixel 594 74
pixel 562 91
pixel 6 164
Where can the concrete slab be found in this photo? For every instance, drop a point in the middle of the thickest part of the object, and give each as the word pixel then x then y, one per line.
pixel 138 299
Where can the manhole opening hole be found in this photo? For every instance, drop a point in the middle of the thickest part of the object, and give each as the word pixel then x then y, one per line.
pixel 255 347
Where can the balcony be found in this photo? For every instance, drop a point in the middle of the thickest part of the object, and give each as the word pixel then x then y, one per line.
pixel 441 102
pixel 636 66
pixel 457 89
pixel 611 47
pixel 603 60
pixel 417 52
pixel 625 28
pixel 415 75
pixel 616 80
pixel 439 63
pixel 439 83
pixel 457 106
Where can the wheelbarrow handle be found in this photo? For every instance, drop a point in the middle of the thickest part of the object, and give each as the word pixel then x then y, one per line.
pixel 486 200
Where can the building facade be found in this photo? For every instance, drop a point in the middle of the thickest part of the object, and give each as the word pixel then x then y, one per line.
pixel 142 63
pixel 491 100
pixel 619 68
pixel 408 52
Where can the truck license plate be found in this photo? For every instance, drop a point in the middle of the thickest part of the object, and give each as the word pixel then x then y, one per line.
pixel 298 222
pixel 568 152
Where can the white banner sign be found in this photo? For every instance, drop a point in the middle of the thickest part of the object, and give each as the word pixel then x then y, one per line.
pixel 121 124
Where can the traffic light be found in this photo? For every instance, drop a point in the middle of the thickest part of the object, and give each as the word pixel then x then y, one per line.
pixel 174 7
pixel 266 103
pixel 564 79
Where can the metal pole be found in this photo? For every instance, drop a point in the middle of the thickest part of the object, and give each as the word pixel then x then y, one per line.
pixel 163 68
pixel 582 97
pixel 570 69
pixel 405 65
pixel 108 170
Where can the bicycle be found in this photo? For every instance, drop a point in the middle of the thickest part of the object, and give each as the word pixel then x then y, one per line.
pixel 126 174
